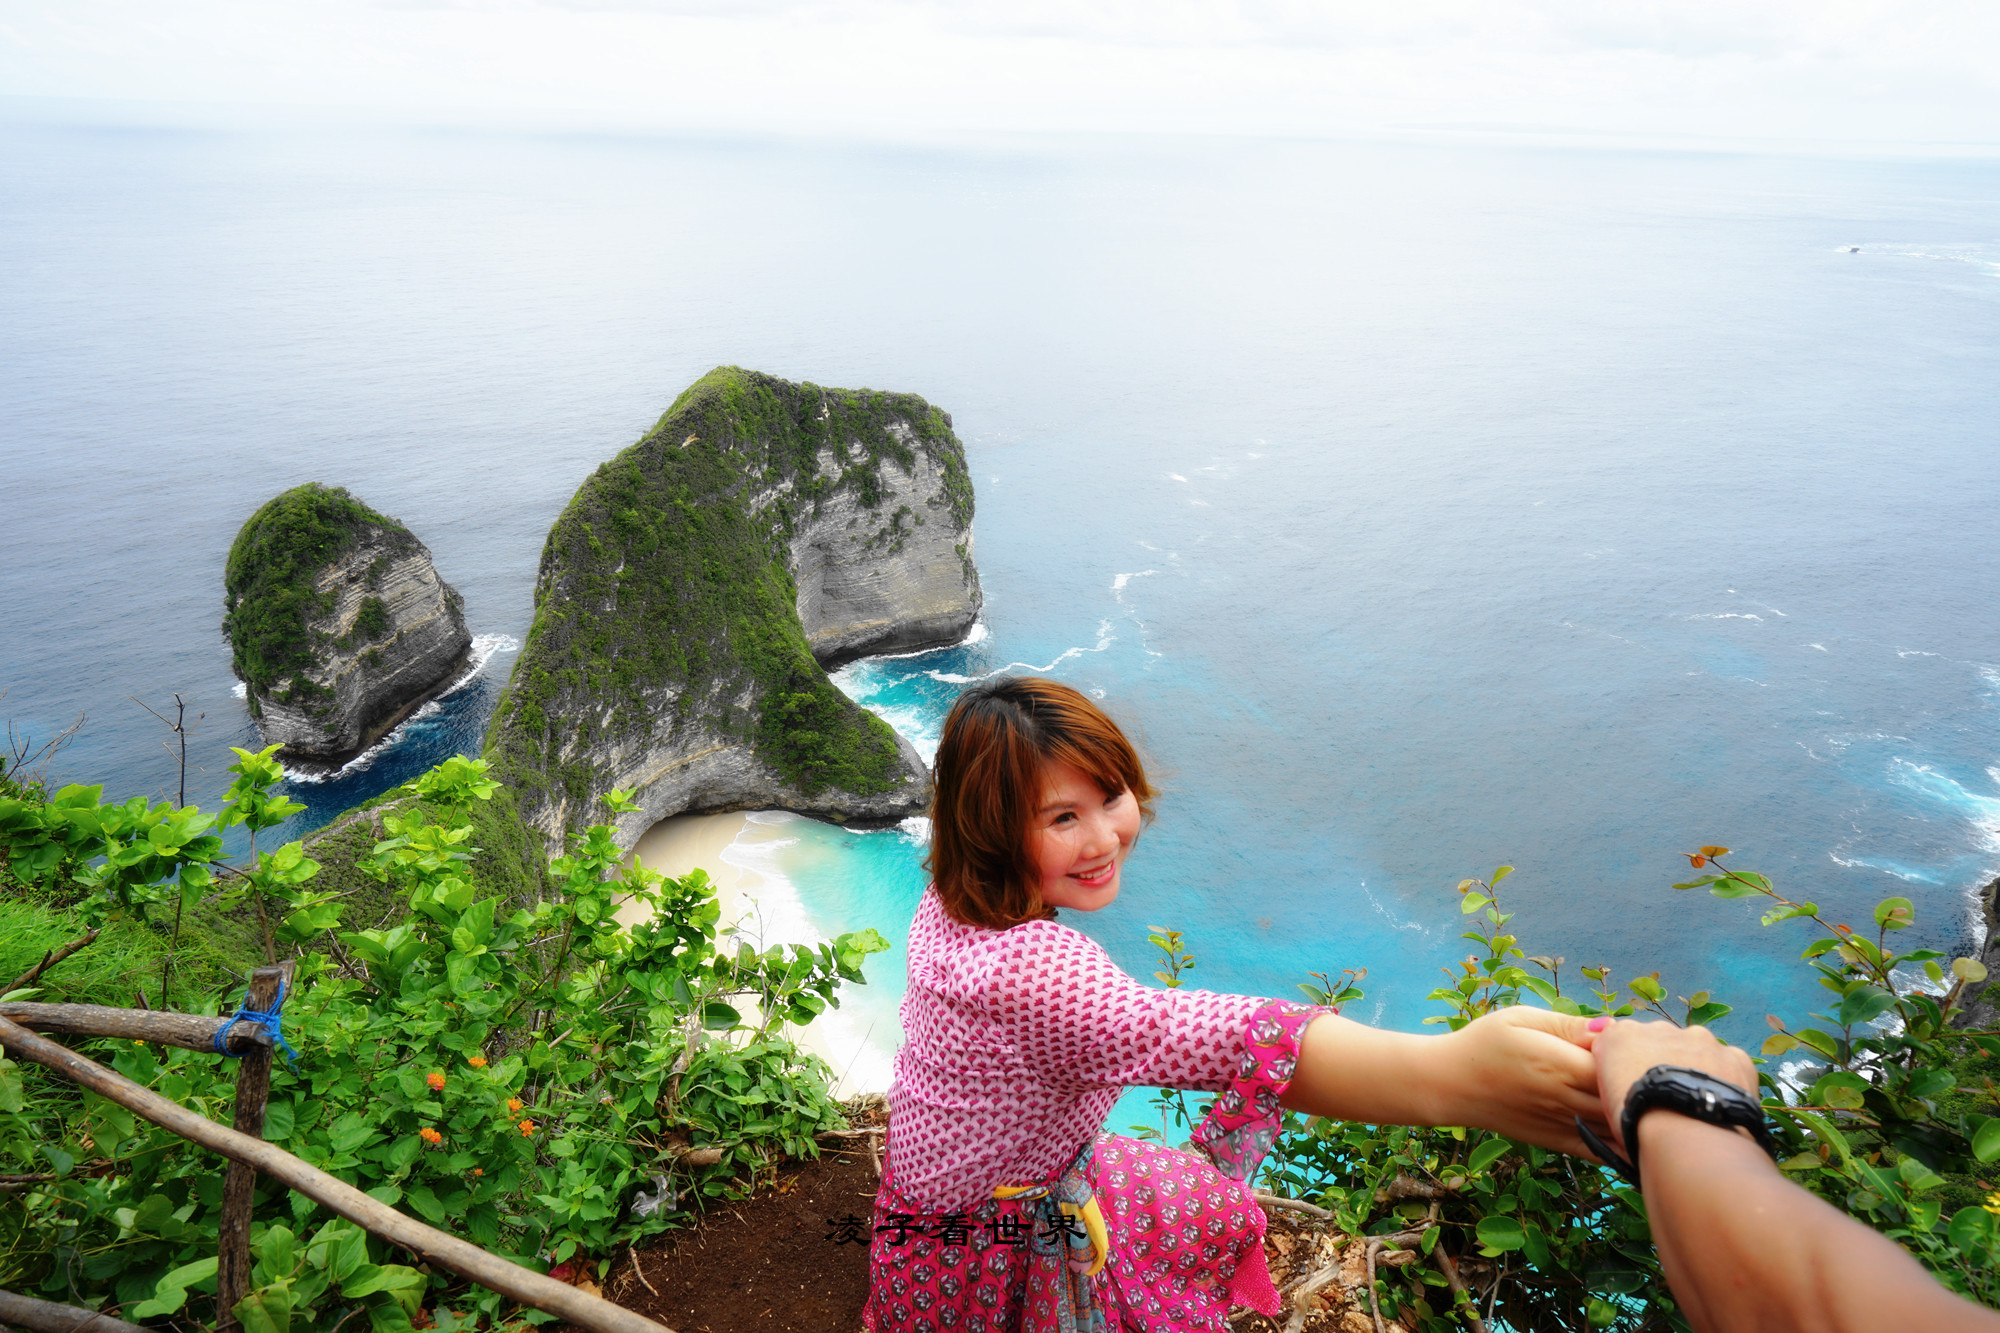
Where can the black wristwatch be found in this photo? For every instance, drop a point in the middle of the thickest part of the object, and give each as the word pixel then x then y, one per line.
pixel 1687 1092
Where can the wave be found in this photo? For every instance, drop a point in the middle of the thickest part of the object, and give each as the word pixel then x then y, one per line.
pixel 1909 874
pixel 1982 812
pixel 1118 584
pixel 1105 638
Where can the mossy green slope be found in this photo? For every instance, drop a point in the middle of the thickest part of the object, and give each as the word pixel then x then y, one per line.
pixel 665 600
pixel 268 581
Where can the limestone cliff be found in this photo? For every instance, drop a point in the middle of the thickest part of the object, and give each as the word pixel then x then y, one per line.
pixel 698 585
pixel 339 623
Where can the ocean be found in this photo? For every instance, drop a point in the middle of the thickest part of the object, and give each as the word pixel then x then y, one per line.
pixel 1421 507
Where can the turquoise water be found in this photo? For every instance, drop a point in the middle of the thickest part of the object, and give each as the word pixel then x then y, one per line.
pixel 1420 508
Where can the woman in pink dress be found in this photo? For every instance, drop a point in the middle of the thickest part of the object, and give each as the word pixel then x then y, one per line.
pixel 1004 1206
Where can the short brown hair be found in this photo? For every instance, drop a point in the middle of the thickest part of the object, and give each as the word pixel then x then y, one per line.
pixel 999 737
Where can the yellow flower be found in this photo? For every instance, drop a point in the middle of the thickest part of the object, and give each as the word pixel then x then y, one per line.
pixel 1992 1204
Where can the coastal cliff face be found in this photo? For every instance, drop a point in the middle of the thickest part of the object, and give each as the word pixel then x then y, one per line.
pixel 339 623
pixel 699 584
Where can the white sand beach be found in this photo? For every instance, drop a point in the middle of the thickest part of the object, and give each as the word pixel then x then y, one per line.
pixel 735 850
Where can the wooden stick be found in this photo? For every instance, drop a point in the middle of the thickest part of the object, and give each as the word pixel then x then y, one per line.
pixel 1314 1211
pixel 436 1247
pixel 48 1317
pixel 49 960
pixel 253 1091
pixel 1471 1311
pixel 190 1032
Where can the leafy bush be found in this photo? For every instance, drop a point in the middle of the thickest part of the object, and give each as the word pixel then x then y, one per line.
pixel 519 1074
pixel 1535 1240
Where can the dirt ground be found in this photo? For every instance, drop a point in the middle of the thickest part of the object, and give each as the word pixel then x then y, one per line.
pixel 770 1262
pixel 777 1263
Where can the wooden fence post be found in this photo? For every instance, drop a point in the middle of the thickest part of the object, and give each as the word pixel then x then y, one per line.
pixel 239 1186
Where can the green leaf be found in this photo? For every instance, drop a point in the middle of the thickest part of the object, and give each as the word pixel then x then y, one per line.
pixel 1499 875
pixel 1486 1154
pixel 1804 1161
pixel 1499 1233
pixel 1986 1140
pixel 1819 1042
pixel 1701 1015
pixel 268 1310
pixel 1549 995
pixel 1777 914
pixel 1840 1090
pixel 1647 988
pixel 1971 1230
pixel 170 1292
pixel 1731 886
pixel 1863 1005
pixel 1778 1043
pixel 1895 913
pixel 425 1202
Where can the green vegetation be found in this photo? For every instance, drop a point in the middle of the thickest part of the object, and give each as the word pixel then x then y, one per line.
pixel 516 1073
pixel 371 622
pixel 507 859
pixel 659 582
pixel 268 583
pixel 1893 1122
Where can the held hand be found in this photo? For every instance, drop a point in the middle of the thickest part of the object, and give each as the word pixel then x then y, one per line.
pixel 1526 1073
pixel 1624 1050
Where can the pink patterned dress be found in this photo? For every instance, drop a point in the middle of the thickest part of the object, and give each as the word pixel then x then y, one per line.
pixel 1018 1042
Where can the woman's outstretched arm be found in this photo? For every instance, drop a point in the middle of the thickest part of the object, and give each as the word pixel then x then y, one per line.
pixel 1522 1072
pixel 1745 1250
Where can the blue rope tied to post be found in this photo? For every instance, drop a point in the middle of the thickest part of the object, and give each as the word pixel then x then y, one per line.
pixel 269 1021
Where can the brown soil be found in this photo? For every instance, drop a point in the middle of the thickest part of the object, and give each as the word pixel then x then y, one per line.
pixel 772 1263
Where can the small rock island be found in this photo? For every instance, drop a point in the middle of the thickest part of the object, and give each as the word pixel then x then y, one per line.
pixel 696 590
pixel 339 623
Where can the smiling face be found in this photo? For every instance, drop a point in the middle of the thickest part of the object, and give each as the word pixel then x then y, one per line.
pixel 1079 838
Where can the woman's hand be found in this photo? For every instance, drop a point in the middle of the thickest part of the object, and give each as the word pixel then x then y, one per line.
pixel 1625 1050
pixel 1526 1073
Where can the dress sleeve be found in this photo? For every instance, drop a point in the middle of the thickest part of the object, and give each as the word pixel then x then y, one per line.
pixel 1079 1022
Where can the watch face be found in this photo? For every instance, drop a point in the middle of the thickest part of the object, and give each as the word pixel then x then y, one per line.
pixel 1697 1095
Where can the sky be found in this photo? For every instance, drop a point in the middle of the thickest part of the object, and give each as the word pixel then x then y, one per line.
pixel 1903 75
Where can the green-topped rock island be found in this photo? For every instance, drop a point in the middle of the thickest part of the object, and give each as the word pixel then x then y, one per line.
pixel 338 623
pixel 696 590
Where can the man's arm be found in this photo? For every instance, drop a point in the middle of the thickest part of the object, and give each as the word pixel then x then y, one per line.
pixel 1745 1250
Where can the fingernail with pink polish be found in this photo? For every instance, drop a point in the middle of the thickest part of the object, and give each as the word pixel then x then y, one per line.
pixel 1598 1024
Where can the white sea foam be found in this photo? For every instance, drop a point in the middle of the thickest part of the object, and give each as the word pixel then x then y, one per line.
pixel 1105 638
pixel 1982 812
pixel 1175 476
pixel 1908 874
pixel 917 829
pixel 1728 615
pixel 1820 646
pixel 1118 584
pixel 241 689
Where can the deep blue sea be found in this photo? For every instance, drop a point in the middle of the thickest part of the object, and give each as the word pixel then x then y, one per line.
pixel 1423 508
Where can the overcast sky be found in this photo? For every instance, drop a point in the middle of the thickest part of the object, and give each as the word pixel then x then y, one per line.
pixel 1828 72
